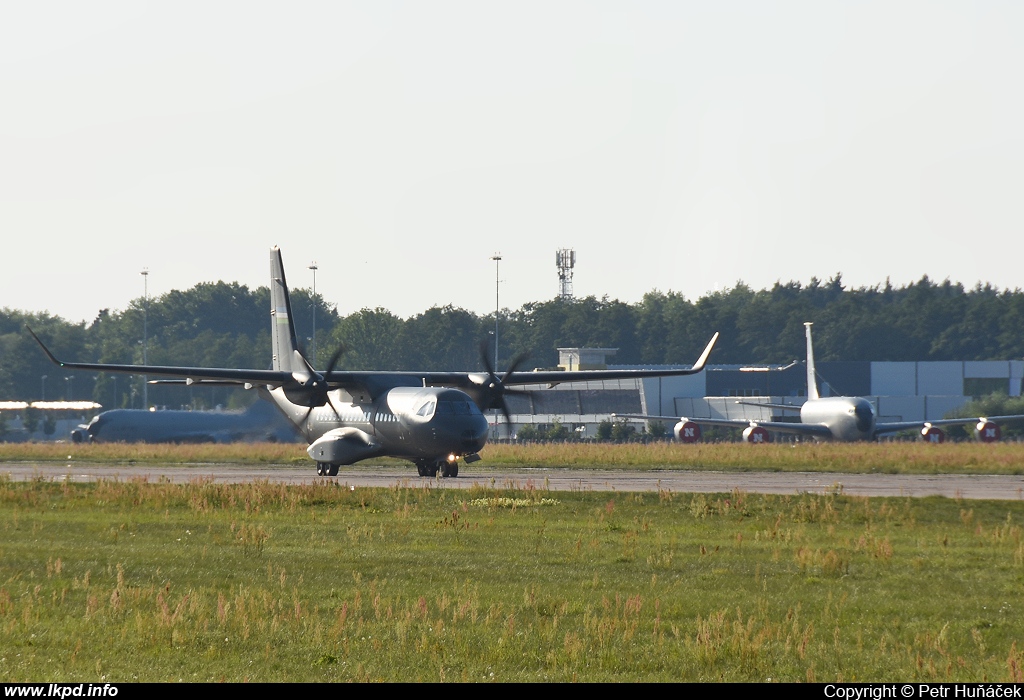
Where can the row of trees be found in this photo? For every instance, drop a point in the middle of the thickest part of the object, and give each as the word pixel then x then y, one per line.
pixel 227 325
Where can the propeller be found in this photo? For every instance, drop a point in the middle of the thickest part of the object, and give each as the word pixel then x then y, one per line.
pixel 319 392
pixel 495 390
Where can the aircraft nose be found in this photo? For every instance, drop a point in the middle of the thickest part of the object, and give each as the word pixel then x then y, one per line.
pixel 864 416
pixel 466 436
pixel 475 437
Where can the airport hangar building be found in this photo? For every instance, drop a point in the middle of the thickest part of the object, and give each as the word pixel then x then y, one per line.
pixel 900 391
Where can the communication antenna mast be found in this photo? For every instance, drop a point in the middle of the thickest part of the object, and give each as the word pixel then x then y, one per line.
pixel 565 261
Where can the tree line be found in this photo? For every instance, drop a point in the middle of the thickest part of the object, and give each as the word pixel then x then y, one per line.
pixel 227 325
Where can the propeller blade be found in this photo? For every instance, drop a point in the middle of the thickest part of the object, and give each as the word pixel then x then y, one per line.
pixel 333 408
pixel 496 390
pixel 486 357
pixel 518 360
pixel 313 390
pixel 342 349
pixel 330 368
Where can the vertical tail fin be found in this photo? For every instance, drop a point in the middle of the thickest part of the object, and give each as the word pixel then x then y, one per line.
pixel 812 381
pixel 282 330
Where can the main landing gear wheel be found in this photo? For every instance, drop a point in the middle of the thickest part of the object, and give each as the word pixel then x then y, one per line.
pixel 326 469
pixel 422 469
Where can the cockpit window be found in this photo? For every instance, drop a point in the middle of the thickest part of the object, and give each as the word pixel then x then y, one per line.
pixel 427 409
pixel 458 408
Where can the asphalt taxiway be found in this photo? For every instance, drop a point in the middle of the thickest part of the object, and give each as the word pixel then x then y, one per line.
pixel 967 486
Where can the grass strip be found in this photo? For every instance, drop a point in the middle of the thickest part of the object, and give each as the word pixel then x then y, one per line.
pixel 133 580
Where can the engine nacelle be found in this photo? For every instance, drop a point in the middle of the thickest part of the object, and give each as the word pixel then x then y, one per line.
pixel 80 435
pixel 930 433
pixel 687 431
pixel 756 435
pixel 987 431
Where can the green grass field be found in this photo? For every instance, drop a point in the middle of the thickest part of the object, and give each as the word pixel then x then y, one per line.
pixel 885 457
pixel 124 581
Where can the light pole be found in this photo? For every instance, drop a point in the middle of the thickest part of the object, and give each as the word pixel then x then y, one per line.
pixel 497 304
pixel 43 392
pixel 69 379
pixel 145 333
pixel 314 268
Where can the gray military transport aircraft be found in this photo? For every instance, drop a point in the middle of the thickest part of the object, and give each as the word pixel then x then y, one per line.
pixel 840 418
pixel 433 419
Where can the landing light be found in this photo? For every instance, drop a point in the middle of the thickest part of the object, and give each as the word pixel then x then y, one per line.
pixel 452 458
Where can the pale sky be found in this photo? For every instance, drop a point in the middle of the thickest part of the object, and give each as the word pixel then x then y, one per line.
pixel 675 145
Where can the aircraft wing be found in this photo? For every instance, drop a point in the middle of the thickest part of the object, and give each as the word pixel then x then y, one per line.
pixel 475 380
pixel 373 382
pixel 560 377
pixel 886 428
pixel 196 374
pixel 808 429
pixel 223 376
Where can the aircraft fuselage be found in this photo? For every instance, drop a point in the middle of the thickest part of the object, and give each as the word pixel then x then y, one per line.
pixel 415 423
pixel 848 418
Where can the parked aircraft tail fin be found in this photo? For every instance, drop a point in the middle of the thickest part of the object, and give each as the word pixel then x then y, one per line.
pixel 812 381
pixel 282 329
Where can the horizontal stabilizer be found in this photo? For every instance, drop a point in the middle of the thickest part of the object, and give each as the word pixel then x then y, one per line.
pixel 200 382
pixel 780 406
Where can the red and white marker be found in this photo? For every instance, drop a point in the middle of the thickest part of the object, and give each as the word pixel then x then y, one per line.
pixel 687 431
pixel 756 435
pixel 987 431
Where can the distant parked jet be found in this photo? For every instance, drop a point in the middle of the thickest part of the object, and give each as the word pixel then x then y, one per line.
pixel 260 423
pixel 842 418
